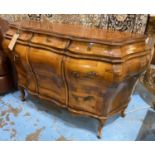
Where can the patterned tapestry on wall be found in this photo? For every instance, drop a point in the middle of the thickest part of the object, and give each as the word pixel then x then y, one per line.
pixel 122 22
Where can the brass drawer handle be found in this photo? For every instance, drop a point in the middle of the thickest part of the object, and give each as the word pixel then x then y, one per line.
pixel 48 40
pixel 90 45
pixel 75 74
pixel 91 75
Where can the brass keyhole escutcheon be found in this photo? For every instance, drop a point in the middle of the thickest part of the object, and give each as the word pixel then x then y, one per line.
pixel 16 58
pixel 90 45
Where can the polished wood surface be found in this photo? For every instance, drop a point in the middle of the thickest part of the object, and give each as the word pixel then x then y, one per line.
pixel 78 31
pixel 88 71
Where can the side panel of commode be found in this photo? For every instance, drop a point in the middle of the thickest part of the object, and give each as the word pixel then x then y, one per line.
pixel 19 58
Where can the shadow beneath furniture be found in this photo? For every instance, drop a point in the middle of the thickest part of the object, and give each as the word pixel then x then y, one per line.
pixel 147 131
pixel 73 120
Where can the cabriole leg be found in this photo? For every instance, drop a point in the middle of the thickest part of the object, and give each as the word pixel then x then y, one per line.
pixel 101 124
pixel 122 113
pixel 22 93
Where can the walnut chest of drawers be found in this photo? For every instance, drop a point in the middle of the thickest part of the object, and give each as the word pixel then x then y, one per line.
pixel 89 71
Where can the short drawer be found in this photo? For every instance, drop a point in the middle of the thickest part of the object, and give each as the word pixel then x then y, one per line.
pixel 49 41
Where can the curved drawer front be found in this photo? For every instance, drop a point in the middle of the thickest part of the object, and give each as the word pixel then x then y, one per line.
pixel 92 88
pixel 46 66
pixel 24 35
pixel 130 68
pixel 38 40
pixel 108 52
pixel 49 41
pixel 87 82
